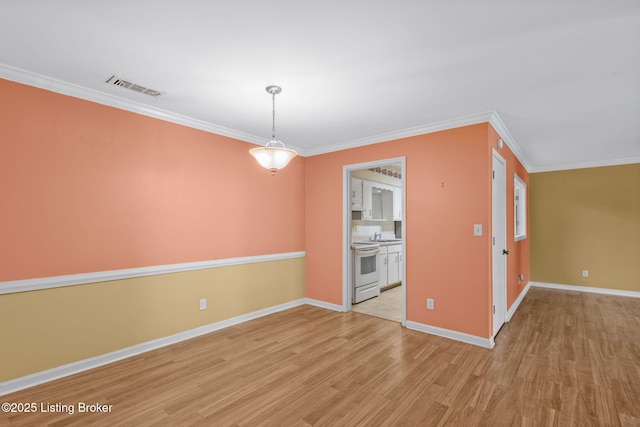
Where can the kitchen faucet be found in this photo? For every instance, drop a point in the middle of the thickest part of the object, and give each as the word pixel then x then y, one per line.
pixel 377 236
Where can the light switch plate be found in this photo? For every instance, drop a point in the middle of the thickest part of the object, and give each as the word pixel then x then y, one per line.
pixel 477 229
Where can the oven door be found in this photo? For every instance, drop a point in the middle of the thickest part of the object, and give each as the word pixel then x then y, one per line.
pixel 366 266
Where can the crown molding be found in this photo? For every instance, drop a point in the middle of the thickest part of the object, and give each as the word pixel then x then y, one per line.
pixel 472 119
pixel 19 75
pixel 491 117
pixel 584 165
pixel 496 121
pixel 506 136
pixel 48 83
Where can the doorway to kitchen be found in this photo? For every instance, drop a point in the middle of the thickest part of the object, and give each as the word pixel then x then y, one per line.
pixel 374 239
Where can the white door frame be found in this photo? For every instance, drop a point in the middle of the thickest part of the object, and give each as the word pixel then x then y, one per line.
pixel 347 273
pixel 499 241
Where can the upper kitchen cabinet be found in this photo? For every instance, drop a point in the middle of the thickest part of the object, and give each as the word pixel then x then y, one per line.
pixel 380 201
pixel 356 194
pixel 397 204
pixel 367 191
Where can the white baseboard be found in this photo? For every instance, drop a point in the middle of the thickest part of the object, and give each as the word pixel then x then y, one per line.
pixel 322 304
pixel 617 292
pixel 516 303
pixel 93 362
pixel 454 335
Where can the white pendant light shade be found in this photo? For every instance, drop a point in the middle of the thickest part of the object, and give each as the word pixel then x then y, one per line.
pixel 274 155
pixel 273 158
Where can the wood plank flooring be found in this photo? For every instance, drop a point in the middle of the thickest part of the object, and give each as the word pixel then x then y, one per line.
pixel 566 359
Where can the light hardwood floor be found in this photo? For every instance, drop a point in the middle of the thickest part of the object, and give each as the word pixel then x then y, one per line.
pixel 566 358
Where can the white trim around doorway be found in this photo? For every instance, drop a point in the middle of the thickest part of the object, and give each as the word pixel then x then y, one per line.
pixel 346 229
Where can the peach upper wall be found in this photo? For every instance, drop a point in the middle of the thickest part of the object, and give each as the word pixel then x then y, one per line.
pixel 448 189
pixel 444 198
pixel 87 187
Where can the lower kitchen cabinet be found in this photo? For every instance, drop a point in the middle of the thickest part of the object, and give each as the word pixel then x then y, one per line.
pixel 382 266
pixel 390 265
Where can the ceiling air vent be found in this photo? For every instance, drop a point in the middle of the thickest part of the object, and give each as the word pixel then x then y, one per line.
pixel 113 80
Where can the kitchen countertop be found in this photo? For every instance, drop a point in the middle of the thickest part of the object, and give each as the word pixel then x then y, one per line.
pixel 387 242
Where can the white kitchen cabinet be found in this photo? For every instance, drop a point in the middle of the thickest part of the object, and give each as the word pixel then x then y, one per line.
pixel 397 204
pixel 356 194
pixel 394 260
pixel 390 265
pixel 392 268
pixel 382 266
pixel 367 199
pixel 379 201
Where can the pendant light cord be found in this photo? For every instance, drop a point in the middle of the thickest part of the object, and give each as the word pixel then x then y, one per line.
pixel 273 122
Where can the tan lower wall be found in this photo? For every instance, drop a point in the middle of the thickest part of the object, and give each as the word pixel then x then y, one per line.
pixel 40 330
pixel 586 219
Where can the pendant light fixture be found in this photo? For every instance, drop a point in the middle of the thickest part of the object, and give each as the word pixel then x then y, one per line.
pixel 274 155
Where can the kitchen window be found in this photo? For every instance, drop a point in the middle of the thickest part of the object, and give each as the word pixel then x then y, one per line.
pixel 520 208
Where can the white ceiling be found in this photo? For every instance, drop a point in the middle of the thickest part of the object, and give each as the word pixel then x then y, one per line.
pixel 563 75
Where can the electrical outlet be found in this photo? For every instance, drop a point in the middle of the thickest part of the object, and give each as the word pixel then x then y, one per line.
pixel 477 229
pixel 430 304
pixel 203 304
pixel 585 273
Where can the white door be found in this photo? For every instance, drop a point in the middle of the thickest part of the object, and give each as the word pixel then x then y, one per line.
pixel 499 241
